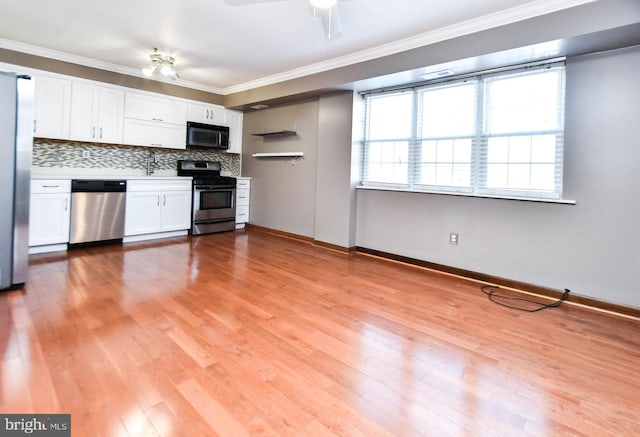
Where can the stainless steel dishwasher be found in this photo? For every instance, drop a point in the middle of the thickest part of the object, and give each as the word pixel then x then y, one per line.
pixel 97 211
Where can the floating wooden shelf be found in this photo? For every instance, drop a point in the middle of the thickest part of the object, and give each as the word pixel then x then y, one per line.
pixel 278 155
pixel 280 133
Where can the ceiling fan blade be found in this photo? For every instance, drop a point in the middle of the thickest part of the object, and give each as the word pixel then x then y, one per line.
pixel 331 22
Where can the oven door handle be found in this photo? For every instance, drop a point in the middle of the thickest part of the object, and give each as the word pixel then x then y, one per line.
pixel 213 187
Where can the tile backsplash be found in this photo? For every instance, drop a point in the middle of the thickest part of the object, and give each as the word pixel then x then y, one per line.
pixel 58 154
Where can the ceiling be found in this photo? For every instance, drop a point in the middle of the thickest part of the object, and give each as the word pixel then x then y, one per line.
pixel 226 46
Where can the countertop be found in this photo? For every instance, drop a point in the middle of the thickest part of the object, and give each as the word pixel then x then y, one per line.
pixel 107 174
pixel 110 177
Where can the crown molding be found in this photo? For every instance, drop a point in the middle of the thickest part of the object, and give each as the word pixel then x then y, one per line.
pixel 100 65
pixel 485 22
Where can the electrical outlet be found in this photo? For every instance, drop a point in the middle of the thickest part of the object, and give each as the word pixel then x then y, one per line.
pixel 86 154
pixel 453 238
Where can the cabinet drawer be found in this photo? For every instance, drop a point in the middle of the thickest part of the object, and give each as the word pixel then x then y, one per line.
pixel 242 197
pixel 50 186
pixel 242 214
pixel 140 185
pixel 243 183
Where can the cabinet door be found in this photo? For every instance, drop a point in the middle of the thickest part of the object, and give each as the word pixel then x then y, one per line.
pixel 176 210
pixel 52 100
pixel 209 114
pixel 110 115
pixel 142 214
pixel 82 126
pixel 96 113
pixel 235 131
pixel 49 219
pixel 151 108
pixel 149 133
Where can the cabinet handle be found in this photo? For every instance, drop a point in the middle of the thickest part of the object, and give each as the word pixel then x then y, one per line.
pixel 51 186
pixel 164 199
pixel 34 126
pixel 66 204
pixel 208 117
pixel 100 133
pixel 93 132
pixel 157 145
pixel 157 119
pixel 158 200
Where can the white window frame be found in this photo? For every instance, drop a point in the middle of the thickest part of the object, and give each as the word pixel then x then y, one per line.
pixel 480 138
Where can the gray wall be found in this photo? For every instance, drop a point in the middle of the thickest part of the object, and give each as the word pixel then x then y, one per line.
pixel 316 196
pixel 283 196
pixel 592 248
pixel 335 197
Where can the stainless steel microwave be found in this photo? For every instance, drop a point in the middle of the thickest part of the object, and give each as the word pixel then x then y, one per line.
pixel 207 136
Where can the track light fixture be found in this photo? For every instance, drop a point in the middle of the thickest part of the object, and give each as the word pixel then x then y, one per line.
pixel 161 64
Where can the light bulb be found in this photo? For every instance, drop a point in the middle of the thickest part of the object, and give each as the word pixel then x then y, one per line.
pixel 166 70
pixel 323 4
pixel 148 71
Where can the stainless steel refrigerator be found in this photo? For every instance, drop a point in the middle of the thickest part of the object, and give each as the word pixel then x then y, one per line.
pixel 16 144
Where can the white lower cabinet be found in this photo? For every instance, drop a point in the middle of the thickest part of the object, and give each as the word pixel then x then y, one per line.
pixel 243 194
pixel 49 214
pixel 157 209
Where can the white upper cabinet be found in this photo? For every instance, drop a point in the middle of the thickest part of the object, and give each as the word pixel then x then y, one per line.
pixel 218 115
pixel 154 134
pixel 68 108
pixel 152 108
pixel 235 131
pixel 154 121
pixel 52 102
pixel 96 113
pixel 209 114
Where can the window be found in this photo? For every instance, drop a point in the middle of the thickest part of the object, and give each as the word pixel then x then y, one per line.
pixel 496 134
pixel 390 131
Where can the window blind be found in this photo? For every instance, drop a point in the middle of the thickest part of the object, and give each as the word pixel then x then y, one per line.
pixel 488 134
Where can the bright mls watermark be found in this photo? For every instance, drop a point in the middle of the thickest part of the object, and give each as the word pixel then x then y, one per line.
pixel 40 425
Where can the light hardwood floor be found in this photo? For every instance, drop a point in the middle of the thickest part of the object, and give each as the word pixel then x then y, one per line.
pixel 246 333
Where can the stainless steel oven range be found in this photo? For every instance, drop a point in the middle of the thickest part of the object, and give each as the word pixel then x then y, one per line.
pixel 214 197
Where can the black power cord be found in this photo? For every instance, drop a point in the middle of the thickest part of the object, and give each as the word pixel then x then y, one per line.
pixel 490 291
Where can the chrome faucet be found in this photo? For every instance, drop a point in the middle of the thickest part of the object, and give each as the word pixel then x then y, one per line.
pixel 152 159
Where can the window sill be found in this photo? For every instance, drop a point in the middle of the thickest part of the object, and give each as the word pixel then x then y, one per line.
pixel 485 196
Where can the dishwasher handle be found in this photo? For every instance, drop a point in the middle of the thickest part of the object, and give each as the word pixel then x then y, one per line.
pixel 98 186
